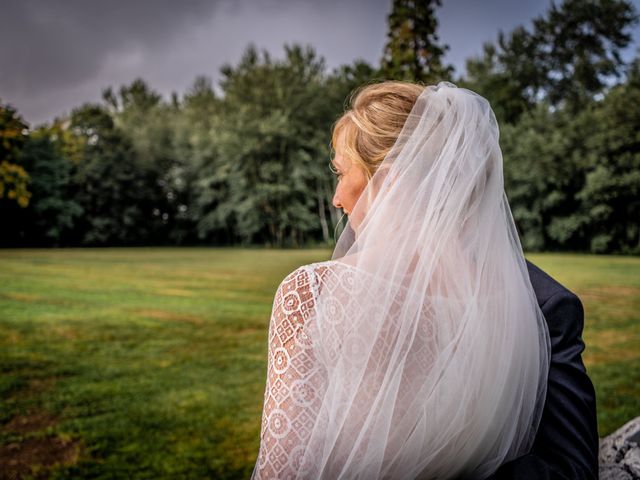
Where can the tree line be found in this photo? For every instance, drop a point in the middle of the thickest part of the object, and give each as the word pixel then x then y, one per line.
pixel 251 165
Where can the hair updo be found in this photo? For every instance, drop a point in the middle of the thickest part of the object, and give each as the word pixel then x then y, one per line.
pixel 374 121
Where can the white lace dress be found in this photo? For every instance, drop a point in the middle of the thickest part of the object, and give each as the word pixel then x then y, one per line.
pixel 293 376
pixel 297 380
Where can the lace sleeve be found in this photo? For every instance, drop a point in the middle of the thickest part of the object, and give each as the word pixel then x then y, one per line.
pixel 291 396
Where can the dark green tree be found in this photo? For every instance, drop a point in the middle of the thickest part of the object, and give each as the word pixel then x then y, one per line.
pixel 52 212
pixel 573 179
pixel 198 177
pixel 14 179
pixel 148 123
pixel 609 201
pixel 506 89
pixel 578 48
pixel 113 194
pixel 274 147
pixel 15 189
pixel 543 170
pixel 569 56
pixel 413 51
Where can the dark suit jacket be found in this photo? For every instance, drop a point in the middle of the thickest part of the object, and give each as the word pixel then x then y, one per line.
pixel 566 444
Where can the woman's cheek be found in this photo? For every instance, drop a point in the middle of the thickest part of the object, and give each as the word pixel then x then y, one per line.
pixel 352 195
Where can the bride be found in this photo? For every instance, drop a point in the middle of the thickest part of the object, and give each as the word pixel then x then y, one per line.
pixel 419 350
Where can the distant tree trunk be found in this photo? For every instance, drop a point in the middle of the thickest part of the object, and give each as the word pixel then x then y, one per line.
pixel 333 212
pixel 279 237
pixel 273 234
pixel 323 215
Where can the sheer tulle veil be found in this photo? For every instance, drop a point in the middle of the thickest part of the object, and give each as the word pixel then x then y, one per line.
pixel 434 349
pixel 426 352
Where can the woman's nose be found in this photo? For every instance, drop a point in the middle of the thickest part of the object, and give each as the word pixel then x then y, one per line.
pixel 336 201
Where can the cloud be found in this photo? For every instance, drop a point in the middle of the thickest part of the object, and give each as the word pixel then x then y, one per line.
pixel 69 41
pixel 56 55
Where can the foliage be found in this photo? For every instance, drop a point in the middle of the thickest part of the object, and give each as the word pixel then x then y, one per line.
pixel 574 179
pixel 413 51
pixel 14 179
pixel 148 125
pixel 112 192
pixel 13 183
pixel 195 177
pixel 52 212
pixel 249 167
pixel 278 128
pixel 610 196
pixel 571 55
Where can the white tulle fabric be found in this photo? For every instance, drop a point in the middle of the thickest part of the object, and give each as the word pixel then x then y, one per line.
pixel 419 349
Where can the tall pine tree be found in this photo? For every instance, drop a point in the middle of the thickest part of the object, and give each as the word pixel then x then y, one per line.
pixel 413 51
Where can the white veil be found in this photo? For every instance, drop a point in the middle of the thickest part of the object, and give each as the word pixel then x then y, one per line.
pixel 434 349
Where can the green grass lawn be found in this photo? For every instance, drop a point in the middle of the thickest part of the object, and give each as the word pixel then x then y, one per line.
pixel 151 363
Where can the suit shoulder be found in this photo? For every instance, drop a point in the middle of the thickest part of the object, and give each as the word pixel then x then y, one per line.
pixel 544 285
pixel 562 309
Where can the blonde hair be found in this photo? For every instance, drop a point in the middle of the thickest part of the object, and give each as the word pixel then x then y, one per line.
pixel 374 121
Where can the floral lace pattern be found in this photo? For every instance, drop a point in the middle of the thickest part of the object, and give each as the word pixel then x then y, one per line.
pixel 293 379
pixel 297 379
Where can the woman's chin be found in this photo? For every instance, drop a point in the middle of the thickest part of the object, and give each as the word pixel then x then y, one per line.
pixel 354 224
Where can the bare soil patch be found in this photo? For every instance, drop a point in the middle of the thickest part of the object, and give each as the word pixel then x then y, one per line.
pixel 35 453
pixel 30 422
pixel 36 456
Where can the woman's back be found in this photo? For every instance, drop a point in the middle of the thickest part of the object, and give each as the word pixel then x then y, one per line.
pixel 425 353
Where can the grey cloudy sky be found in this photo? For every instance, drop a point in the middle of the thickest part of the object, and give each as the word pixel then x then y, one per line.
pixel 54 55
